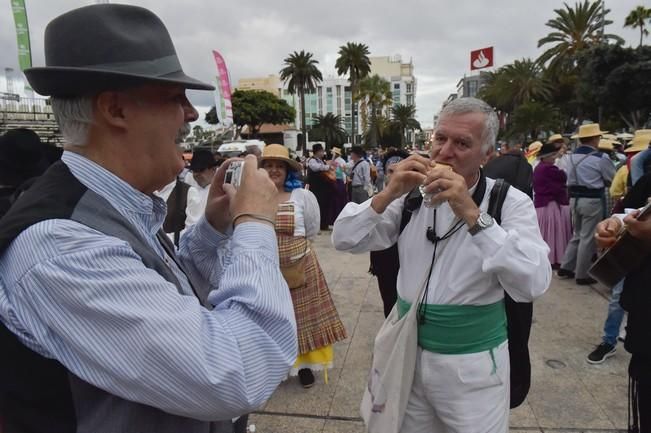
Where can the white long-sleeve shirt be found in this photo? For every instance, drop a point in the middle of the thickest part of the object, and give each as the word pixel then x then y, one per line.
pixel 307 216
pixel 196 205
pixel 469 270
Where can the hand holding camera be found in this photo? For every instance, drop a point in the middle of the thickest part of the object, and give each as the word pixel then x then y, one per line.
pixel 252 193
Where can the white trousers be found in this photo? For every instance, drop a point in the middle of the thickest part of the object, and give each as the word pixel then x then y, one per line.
pixel 459 393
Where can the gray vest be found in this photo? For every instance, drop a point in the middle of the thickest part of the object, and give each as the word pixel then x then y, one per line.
pixel 60 195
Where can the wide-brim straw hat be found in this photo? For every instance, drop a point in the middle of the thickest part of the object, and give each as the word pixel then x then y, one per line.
pixel 279 152
pixel 605 144
pixel 533 149
pixel 640 141
pixel 107 47
pixel 589 130
pixel 556 137
pixel 336 150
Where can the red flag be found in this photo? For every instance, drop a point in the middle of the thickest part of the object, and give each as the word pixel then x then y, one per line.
pixel 482 58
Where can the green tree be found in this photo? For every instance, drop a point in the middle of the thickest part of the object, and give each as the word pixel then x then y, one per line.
pixel 404 117
pixel 301 75
pixel 330 129
pixel 353 60
pixel 531 118
pixel 197 133
pixel 575 29
pixel 211 116
pixel 374 94
pixel 515 84
pixel 638 18
pixel 619 80
pixel 256 107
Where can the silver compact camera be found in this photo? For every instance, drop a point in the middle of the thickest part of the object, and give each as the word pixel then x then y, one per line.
pixel 233 174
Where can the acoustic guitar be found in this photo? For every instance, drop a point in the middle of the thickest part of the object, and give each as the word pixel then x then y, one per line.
pixel 626 254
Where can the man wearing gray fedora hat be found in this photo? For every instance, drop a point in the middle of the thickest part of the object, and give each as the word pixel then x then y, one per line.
pixel 105 327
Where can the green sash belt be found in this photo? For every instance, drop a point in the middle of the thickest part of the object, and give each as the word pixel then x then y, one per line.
pixel 460 329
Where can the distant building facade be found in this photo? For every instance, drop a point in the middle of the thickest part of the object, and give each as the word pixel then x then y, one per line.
pixel 333 94
pixel 470 85
pixel 270 83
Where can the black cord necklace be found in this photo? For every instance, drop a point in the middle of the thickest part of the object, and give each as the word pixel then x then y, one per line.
pixel 431 235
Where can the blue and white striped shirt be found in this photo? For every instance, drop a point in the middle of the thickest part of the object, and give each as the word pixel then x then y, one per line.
pixel 86 299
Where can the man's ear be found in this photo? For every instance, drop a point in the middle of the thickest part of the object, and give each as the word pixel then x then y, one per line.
pixel 110 108
pixel 487 155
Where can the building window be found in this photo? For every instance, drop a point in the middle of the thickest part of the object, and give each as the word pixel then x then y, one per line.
pixel 472 88
pixel 396 86
pixel 410 100
pixel 408 87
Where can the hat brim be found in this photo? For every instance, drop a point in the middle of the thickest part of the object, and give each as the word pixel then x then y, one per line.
pixel 599 134
pixel 69 81
pixel 292 164
pixel 636 148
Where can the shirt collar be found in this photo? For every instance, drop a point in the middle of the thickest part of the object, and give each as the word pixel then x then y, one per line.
pixel 122 196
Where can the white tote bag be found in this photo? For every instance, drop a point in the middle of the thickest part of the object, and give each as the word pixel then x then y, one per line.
pixel 392 371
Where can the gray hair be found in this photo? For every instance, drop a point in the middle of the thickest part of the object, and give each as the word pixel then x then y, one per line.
pixel 74 116
pixel 474 105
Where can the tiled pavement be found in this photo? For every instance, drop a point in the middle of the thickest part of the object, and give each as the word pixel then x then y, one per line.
pixel 567 394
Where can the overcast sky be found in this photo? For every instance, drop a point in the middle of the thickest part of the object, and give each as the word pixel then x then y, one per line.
pixel 254 36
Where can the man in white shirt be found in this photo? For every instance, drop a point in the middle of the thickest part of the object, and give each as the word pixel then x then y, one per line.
pixel 360 175
pixel 203 167
pixel 461 381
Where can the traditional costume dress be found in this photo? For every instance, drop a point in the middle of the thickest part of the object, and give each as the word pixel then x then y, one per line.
pixel 552 208
pixel 461 381
pixel 317 320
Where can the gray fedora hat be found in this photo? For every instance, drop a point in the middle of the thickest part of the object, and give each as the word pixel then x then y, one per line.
pixel 107 47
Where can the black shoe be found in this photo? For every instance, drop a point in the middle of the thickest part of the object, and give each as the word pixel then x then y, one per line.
pixel 306 377
pixel 601 353
pixel 565 273
pixel 585 281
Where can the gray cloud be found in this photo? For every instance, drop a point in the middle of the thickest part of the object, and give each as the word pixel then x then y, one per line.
pixel 254 36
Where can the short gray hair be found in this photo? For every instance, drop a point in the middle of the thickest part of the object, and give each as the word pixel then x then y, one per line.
pixel 474 105
pixel 74 116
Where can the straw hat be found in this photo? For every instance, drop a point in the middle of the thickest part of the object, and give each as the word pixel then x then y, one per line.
pixel 280 153
pixel 556 137
pixel 534 147
pixel 605 144
pixel 589 130
pixel 336 150
pixel 640 141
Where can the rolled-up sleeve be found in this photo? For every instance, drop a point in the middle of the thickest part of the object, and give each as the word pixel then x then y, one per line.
pixel 515 251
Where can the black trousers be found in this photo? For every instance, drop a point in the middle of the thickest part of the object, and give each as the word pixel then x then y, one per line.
pixel 639 395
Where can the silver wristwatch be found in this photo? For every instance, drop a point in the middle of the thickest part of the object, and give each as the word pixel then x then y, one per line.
pixel 483 222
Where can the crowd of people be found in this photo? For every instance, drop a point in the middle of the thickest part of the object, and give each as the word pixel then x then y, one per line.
pixel 138 294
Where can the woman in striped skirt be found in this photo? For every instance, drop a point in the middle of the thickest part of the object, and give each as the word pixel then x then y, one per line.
pixel 297 221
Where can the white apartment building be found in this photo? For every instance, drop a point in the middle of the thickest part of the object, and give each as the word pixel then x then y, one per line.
pixel 333 94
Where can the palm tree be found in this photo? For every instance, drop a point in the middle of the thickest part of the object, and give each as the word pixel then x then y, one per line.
pixel 403 116
pixel 375 94
pixel 353 60
pixel 301 74
pixel 576 29
pixel 637 18
pixel 330 126
pixel 515 84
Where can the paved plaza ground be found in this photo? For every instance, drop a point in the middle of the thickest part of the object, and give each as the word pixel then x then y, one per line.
pixel 567 394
